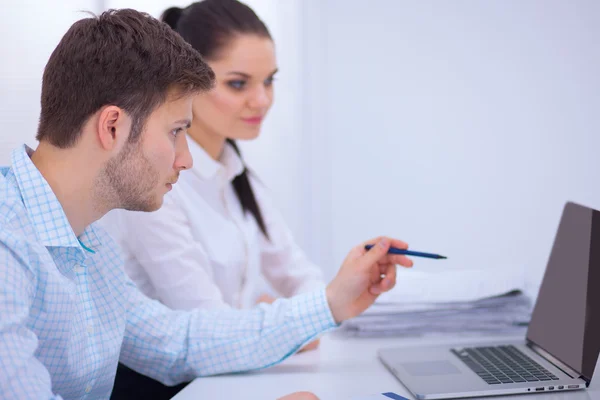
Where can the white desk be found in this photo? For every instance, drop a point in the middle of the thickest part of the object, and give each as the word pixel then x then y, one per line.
pixel 339 369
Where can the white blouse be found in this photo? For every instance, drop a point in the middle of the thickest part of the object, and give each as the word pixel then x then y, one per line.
pixel 200 250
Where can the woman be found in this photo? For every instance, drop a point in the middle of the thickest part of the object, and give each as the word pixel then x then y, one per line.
pixel 218 231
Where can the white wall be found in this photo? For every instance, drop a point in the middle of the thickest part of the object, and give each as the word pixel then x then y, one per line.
pixel 460 126
pixel 29 32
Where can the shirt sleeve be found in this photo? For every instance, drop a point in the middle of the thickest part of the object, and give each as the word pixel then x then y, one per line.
pixel 175 263
pixel 283 263
pixel 173 346
pixel 23 375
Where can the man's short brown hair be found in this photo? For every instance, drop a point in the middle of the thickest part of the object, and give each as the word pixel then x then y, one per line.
pixel 122 57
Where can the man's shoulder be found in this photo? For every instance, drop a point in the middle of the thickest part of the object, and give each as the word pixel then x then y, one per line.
pixel 10 196
pixel 14 220
pixel 17 243
pixel 16 232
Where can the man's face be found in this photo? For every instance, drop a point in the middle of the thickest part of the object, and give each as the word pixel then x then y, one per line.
pixel 144 171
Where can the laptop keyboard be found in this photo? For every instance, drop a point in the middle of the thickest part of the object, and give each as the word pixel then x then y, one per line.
pixel 503 364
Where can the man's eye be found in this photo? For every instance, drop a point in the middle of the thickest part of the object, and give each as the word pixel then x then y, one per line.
pixel 175 132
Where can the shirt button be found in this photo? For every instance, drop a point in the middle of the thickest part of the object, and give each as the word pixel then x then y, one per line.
pixel 88 388
pixel 90 329
pixel 78 268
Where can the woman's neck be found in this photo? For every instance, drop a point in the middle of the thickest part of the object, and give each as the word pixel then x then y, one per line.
pixel 211 143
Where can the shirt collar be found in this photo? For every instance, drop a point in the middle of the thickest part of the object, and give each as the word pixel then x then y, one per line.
pixel 45 211
pixel 228 166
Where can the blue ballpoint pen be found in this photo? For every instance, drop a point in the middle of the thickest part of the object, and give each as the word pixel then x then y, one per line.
pixel 394 250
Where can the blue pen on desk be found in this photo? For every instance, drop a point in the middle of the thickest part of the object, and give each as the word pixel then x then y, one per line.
pixel 394 250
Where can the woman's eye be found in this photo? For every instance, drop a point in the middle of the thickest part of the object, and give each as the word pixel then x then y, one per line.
pixel 269 81
pixel 237 85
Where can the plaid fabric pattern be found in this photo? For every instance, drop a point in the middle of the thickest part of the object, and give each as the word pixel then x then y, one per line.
pixel 69 313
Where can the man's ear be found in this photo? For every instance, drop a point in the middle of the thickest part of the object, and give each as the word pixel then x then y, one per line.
pixel 114 126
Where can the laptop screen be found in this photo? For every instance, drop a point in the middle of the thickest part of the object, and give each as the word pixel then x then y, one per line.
pixel 566 317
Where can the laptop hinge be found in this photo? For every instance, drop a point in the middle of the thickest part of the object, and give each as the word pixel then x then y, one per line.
pixel 560 365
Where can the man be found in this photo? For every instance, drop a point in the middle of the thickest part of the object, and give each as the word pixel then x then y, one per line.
pixel 116 101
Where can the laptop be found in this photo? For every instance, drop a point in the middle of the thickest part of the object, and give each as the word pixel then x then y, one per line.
pixel 561 347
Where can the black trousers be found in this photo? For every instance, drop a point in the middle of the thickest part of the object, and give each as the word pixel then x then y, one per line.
pixel 131 385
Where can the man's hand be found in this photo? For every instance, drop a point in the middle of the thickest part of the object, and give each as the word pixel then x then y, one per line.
pixel 267 298
pixel 363 276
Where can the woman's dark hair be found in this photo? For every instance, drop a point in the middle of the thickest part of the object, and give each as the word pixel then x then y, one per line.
pixel 208 26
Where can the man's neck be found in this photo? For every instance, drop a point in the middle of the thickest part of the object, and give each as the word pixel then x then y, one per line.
pixel 71 175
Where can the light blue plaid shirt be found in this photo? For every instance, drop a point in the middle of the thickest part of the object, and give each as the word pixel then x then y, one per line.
pixel 68 312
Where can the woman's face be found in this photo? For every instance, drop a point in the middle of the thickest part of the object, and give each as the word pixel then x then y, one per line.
pixel 243 92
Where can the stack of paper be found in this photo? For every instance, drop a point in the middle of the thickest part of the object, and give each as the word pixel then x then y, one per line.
pixel 430 303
